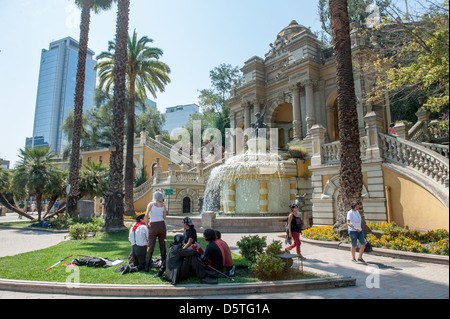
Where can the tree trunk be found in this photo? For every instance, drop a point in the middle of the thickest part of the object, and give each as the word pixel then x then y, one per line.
pixel 114 195
pixel 74 194
pixel 38 204
pixel 350 174
pixel 129 167
pixel 4 201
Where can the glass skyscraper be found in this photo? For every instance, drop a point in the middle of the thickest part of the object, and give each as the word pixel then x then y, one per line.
pixel 56 92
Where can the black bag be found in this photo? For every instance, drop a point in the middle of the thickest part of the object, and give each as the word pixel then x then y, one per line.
pixel 89 261
pixel 368 248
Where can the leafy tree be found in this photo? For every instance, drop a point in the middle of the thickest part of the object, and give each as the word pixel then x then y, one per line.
pixel 215 113
pixel 35 173
pixel 151 121
pixel 359 11
pixel 93 179
pixel 412 60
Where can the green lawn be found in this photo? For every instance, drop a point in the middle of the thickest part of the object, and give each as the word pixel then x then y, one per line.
pixel 32 265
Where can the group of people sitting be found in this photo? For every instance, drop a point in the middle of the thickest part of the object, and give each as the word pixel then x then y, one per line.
pixel 185 257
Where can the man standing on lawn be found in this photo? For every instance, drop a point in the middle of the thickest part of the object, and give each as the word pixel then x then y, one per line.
pixel 355 232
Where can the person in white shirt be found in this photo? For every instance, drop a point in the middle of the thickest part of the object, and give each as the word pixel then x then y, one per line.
pixel 155 218
pixel 138 238
pixel 355 232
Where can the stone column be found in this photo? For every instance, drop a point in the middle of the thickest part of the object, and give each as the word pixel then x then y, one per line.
pixel 247 120
pixel 310 116
pixel 263 197
pixel 157 172
pixel 296 113
pixel 424 117
pixel 172 172
pixel 317 139
pixel 374 124
pixel 232 136
pixel 292 189
pixel 401 130
pixel 231 198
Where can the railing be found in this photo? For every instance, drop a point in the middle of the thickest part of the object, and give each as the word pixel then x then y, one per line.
pixel 415 156
pixel 438 148
pixel 142 189
pixel 331 151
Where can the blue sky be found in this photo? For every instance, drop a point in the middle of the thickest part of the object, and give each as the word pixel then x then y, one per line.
pixel 195 35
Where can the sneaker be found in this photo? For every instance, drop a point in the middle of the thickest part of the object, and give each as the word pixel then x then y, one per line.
pixel 232 272
pixel 208 280
pixel 126 270
pixel 361 261
pixel 354 261
pixel 286 250
pixel 301 258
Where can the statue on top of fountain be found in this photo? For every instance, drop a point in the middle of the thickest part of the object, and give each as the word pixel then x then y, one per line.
pixel 259 123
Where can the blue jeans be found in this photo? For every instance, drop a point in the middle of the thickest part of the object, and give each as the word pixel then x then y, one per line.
pixel 355 236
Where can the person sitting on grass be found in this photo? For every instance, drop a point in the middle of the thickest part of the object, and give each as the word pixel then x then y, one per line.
pixel 189 233
pixel 181 264
pixel 228 262
pixel 214 254
pixel 138 238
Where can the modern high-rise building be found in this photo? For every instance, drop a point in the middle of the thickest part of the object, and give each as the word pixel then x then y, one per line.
pixel 178 116
pixel 56 92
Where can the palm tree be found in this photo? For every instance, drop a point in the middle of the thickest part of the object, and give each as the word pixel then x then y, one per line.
pixel 86 7
pixel 114 195
pixel 94 179
pixel 37 173
pixel 144 72
pixel 350 174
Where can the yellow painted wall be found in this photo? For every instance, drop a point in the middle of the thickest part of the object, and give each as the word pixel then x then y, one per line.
pixel 302 168
pixel 414 206
pixel 150 157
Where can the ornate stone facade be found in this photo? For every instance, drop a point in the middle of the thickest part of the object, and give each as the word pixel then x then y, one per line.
pixel 295 87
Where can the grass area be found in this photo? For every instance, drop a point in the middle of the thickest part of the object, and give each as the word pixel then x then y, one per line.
pixel 32 265
pixel 17 224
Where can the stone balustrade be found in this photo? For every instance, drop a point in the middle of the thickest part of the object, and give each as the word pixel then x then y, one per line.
pixel 415 156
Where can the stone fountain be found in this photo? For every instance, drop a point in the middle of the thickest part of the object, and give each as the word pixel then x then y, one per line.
pixel 255 187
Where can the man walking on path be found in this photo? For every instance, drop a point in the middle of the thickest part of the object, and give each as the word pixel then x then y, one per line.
pixel 355 232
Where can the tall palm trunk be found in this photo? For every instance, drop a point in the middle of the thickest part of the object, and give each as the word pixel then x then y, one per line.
pixel 39 204
pixel 74 194
pixel 350 174
pixel 129 167
pixel 114 196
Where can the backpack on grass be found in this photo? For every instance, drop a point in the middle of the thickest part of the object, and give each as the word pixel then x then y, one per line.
pixel 89 261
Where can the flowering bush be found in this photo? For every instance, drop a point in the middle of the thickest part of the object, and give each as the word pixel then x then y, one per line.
pixel 321 233
pixel 393 237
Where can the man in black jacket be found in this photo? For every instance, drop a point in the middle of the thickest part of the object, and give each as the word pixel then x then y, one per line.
pixel 181 263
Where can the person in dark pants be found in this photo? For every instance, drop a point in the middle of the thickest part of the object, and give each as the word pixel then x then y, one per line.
pixel 214 254
pixel 138 238
pixel 181 264
pixel 155 218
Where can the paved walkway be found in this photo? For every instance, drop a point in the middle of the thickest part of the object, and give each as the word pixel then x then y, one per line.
pixel 381 278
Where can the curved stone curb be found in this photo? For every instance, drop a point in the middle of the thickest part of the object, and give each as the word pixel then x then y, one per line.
pixel 112 290
pixel 430 258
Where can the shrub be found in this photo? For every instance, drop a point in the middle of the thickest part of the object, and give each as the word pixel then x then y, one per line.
pixel 77 231
pixel 274 248
pixel 81 229
pixel 251 246
pixel 268 267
